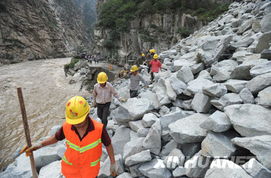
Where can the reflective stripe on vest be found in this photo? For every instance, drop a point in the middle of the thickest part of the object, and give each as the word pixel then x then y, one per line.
pixel 85 148
pixel 66 161
pixel 95 162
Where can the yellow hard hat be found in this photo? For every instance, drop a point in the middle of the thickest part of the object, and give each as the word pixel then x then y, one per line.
pixel 102 78
pixel 134 68
pixel 155 56
pixel 143 55
pixel 77 108
pixel 152 51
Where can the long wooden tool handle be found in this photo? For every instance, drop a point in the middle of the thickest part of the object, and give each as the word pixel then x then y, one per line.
pixel 27 133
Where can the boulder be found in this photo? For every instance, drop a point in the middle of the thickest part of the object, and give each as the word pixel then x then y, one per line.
pixel 136 125
pixel 188 130
pixel 171 145
pixel 161 91
pixel 201 103
pixel 241 72
pixel 179 172
pixel 215 90
pixel 263 42
pixel 264 97
pixel 105 166
pixel 245 26
pixel 197 85
pixel 137 158
pixel 185 74
pixel 184 104
pixel 222 70
pixel 132 147
pixel 217 145
pixel 149 119
pixel 217 122
pixel 226 100
pixel 118 140
pixel 196 68
pixel 259 146
pixel 152 97
pixel 249 119
pixel 143 132
pixel 266 54
pixel 174 159
pixel 224 168
pixel 246 96
pixel 125 175
pixel 153 139
pixel 164 110
pixel 235 86
pixel 133 109
pixel 155 169
pixel 266 23
pixel 170 91
pixel 261 69
pixel 51 170
pixel 190 149
pixel 256 169
pixel 197 165
pixel 177 85
pixel 172 117
pixel 259 83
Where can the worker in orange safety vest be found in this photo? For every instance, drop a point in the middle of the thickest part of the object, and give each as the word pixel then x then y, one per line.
pixel 84 138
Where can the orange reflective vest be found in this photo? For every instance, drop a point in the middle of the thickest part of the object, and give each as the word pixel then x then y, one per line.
pixel 82 158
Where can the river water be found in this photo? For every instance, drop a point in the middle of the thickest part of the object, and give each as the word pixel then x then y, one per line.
pixel 45 89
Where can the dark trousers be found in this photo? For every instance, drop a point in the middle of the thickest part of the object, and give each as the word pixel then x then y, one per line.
pixel 152 76
pixel 133 93
pixel 103 112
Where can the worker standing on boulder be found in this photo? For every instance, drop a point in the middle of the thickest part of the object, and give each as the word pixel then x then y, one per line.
pixel 155 65
pixel 102 93
pixel 84 138
pixel 149 57
pixel 135 78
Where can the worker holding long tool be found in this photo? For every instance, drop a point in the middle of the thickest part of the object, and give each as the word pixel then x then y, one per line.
pixel 84 138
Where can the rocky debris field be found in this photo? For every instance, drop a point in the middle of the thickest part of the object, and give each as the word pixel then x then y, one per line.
pixel 206 115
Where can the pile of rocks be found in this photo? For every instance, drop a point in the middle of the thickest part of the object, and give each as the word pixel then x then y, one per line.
pixel 208 112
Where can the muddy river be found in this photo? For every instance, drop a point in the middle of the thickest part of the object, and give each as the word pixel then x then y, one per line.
pixel 45 90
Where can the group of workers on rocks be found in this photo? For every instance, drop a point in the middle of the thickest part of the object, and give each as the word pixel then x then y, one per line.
pixel 84 135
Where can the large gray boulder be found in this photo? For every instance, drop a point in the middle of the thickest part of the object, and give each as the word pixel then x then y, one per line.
pixel 197 85
pixel 261 69
pixel 259 146
pixel 259 83
pixel 118 140
pixel 222 70
pixel 153 139
pixel 51 170
pixel 246 96
pixel 177 85
pixel 215 90
pixel 155 169
pixel 132 147
pixel 197 165
pixel 152 97
pixel 133 109
pixel 217 122
pixel 172 117
pixel 249 120
pixel 170 91
pixel 245 26
pixel 264 97
pixel 185 74
pixel 136 125
pixel 137 158
pixel 230 169
pixel 171 145
pixel 235 86
pixel 188 130
pixel 266 54
pixel 201 103
pixel 264 42
pixel 266 23
pixel 226 100
pixel 160 90
pixel 217 145
pixel 149 119
pixel 256 169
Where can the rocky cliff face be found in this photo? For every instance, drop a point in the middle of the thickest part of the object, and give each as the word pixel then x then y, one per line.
pixel 159 30
pixel 40 29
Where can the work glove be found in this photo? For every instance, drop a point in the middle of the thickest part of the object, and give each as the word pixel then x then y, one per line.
pixel 113 169
pixel 28 151
pixel 123 100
